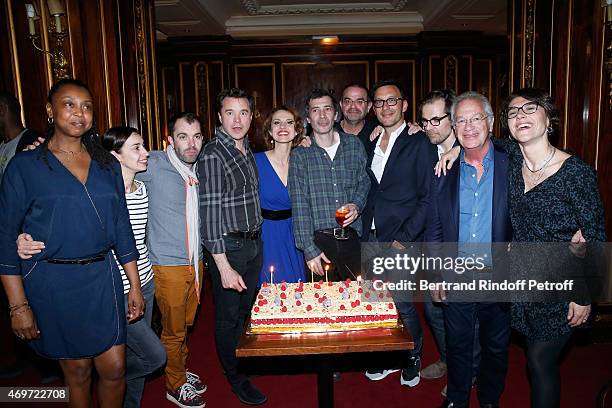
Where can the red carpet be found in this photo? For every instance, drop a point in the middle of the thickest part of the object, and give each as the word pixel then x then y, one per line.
pixel 584 371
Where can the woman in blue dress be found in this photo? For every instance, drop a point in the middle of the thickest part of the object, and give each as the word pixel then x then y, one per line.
pixel 283 130
pixel 67 301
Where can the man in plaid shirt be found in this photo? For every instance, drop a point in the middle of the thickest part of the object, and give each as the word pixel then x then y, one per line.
pixel 323 177
pixel 230 223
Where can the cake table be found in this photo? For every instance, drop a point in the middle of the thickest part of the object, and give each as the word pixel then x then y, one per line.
pixel 324 345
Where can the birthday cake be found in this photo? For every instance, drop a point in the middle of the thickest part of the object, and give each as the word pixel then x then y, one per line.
pixel 321 307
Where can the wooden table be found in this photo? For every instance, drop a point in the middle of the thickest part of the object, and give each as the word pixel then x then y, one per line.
pixel 300 344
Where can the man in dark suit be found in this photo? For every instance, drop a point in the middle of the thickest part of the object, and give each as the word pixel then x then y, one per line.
pixel 13 136
pixel 400 169
pixel 469 208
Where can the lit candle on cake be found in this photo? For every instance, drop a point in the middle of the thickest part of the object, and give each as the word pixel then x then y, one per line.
pixel 326 269
pixel 358 281
pixel 311 271
pixel 271 274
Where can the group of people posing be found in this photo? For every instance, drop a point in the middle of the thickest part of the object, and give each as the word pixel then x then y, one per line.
pixel 94 228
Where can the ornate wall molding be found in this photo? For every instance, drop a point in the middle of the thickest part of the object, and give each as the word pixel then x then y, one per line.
pixel 450 72
pixel 253 8
pixel 529 33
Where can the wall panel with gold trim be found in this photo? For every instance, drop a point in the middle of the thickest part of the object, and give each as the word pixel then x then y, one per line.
pixel 403 71
pixel 109 45
pixel 285 71
pixel 560 46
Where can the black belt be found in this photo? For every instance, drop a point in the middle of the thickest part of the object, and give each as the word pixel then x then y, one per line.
pixel 330 231
pixel 276 215
pixel 243 234
pixel 83 261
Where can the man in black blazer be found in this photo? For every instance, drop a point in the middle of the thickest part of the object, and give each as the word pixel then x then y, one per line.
pixel 400 169
pixel 469 209
pixel 13 136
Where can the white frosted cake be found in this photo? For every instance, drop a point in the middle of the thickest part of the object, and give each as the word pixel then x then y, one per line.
pixel 320 307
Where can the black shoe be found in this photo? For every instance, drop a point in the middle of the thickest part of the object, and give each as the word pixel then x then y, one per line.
pixel 15 369
pixel 411 376
pixel 248 394
pixel 449 404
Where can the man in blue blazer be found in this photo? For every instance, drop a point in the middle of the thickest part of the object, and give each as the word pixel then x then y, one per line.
pixel 469 208
pixel 400 167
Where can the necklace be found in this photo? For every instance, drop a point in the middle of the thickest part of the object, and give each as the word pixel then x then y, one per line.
pixel 550 156
pixel 70 153
pixel 535 179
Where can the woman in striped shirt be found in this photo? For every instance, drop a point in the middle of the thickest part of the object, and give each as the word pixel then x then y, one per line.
pixel 144 352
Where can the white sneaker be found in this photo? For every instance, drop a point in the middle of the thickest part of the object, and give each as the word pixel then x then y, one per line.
pixel 185 397
pixel 376 375
pixel 195 381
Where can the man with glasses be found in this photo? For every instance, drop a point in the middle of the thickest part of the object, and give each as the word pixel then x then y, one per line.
pixel 469 207
pixel 400 168
pixel 435 119
pixel 355 105
pixel 323 177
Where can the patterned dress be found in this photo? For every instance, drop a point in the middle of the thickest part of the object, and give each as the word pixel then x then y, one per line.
pixel 552 212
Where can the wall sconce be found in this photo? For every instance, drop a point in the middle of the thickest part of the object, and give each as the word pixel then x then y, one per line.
pixel 59 62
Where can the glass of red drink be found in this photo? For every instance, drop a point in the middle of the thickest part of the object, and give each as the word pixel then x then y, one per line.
pixel 341 213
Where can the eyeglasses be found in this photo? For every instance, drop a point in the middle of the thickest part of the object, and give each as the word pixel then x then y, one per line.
pixel 359 102
pixel 433 121
pixel 379 103
pixel 476 120
pixel 528 109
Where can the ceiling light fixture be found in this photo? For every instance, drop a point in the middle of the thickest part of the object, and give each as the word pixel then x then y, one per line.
pixel 326 39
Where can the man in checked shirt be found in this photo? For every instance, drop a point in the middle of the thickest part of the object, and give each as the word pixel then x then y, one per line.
pixel 329 174
pixel 230 222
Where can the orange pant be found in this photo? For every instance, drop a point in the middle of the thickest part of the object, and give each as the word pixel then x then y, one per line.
pixel 176 297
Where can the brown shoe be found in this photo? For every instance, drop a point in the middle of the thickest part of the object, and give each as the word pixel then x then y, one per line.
pixel 433 371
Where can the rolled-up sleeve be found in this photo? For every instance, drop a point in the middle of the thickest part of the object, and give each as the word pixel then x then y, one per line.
pixel 211 174
pixel 13 207
pixel 125 245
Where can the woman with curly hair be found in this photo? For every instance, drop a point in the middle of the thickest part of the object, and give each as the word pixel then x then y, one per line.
pixel 283 130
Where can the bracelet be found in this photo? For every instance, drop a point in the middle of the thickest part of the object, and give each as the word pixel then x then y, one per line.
pixel 13 313
pixel 15 307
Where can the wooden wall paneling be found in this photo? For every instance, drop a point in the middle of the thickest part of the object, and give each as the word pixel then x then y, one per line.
pixel 296 83
pixel 171 97
pixel 93 58
pixel 201 95
pixel 483 78
pixel 583 86
pixel 346 72
pixel 29 69
pixel 604 119
pixel 7 81
pixel 187 87
pixel 258 80
pixel 435 73
pixel 216 70
pixel 451 76
pixel 465 74
pixel 403 71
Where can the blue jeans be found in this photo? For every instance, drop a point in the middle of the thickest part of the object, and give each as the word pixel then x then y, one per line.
pixel 494 333
pixel 434 314
pixel 144 352
pixel 410 318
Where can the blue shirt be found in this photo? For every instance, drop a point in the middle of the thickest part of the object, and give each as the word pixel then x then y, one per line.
pixel 476 207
